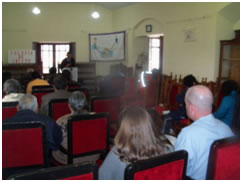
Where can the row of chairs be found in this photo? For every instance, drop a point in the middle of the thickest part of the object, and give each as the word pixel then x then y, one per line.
pixel 24 147
pixel 24 144
pixel 171 86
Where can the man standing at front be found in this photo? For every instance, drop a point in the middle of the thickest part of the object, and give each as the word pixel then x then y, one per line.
pixel 197 138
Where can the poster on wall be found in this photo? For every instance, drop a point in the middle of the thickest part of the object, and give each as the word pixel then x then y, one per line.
pixel 21 57
pixel 107 47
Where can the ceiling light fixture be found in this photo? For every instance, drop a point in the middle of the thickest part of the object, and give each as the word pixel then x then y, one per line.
pixel 95 15
pixel 36 10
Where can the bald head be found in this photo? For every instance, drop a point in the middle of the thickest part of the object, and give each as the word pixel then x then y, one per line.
pixel 201 98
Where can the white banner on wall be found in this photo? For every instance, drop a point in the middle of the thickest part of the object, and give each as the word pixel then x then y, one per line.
pixel 107 46
pixel 21 57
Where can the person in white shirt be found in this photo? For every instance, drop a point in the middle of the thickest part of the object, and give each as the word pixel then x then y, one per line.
pixel 12 90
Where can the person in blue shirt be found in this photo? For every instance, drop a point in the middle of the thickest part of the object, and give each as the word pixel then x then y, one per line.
pixel 180 113
pixel 225 111
pixel 197 138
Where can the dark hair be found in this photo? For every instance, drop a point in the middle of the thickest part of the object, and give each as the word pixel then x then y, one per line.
pixel 228 86
pixel 138 138
pixel 66 74
pixel 52 70
pixel 189 80
pixel 6 75
pixel 60 82
pixel 36 75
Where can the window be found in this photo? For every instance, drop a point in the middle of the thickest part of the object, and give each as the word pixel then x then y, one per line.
pixel 154 53
pixel 52 55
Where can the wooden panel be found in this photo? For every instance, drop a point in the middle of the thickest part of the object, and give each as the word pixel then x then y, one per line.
pixel 87 73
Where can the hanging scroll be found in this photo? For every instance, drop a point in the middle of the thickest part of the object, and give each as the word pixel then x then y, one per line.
pixel 107 47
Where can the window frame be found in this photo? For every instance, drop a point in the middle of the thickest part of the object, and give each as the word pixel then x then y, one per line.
pixel 55 64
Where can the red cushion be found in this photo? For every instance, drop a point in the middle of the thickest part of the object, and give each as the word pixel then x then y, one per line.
pixel 60 109
pixel 22 147
pixel 88 176
pixel 151 93
pixel 90 135
pixel 227 165
pixel 39 97
pixel 173 94
pixel 159 109
pixel 108 105
pixel 169 171
pixel 8 112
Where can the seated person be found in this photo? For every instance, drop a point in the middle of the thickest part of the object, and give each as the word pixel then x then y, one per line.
pixel 60 92
pixel 180 113
pixel 12 90
pixel 197 138
pixel 225 111
pixel 52 75
pixel 27 112
pixel 137 139
pixel 36 81
pixel 68 62
pixel 67 75
pixel 77 101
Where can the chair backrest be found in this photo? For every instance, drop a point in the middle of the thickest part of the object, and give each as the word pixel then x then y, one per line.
pixel 109 104
pixel 9 109
pixel 84 171
pixel 224 159
pixel 39 94
pixel 23 145
pixel 42 88
pixel 74 86
pixel 170 166
pixel 58 108
pixel 87 134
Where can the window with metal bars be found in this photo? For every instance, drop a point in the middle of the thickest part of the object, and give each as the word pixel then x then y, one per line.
pixel 52 54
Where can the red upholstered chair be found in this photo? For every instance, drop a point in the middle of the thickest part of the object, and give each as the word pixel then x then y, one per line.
pixel 58 108
pixel 170 166
pixel 40 93
pixel 9 109
pixel 87 134
pixel 224 160
pixel 84 171
pixel 24 147
pixel 109 104
pixel 42 88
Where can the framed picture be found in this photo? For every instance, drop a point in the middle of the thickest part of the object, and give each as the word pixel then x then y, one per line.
pixel 148 28
pixel 107 47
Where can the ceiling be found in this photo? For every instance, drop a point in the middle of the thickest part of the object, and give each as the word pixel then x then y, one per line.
pixel 114 5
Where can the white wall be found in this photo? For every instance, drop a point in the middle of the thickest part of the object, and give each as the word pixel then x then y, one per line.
pixel 173 19
pixel 70 22
pixel 58 22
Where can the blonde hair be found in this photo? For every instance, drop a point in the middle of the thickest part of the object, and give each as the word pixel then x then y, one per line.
pixel 138 137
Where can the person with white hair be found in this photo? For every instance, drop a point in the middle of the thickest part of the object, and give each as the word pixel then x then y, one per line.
pixel 12 90
pixel 197 138
pixel 27 112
